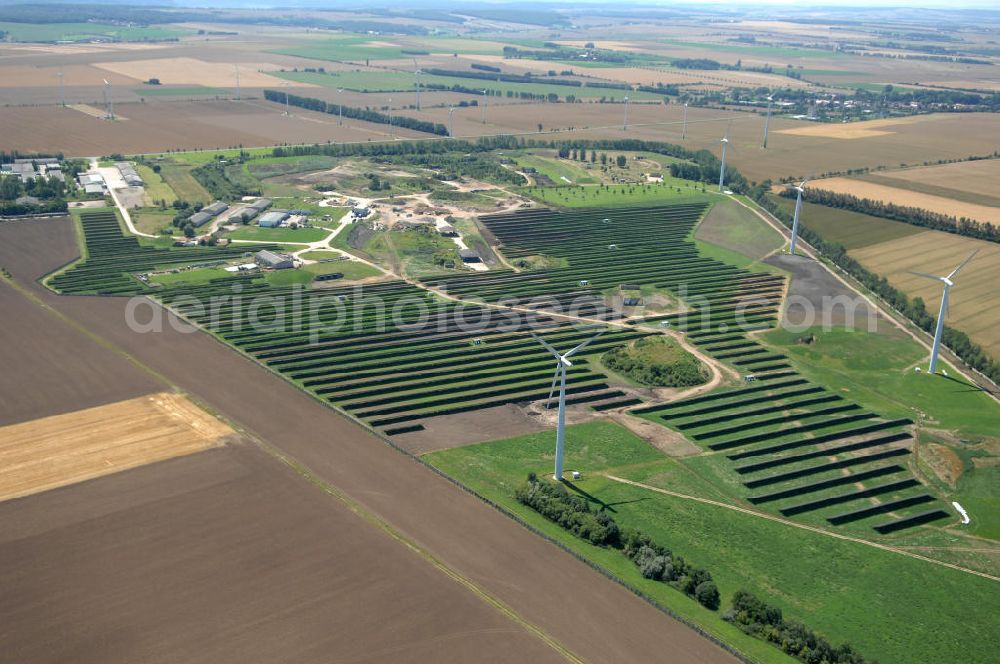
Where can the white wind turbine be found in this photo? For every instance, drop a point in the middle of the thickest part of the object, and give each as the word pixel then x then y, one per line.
pixel 800 189
pixel 948 283
pixel 416 75
pixel 562 363
pixel 767 119
pixel 722 168
pixel 109 102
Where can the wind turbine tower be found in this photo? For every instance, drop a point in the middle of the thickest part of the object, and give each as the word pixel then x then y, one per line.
pixel 948 283
pixel 562 363
pixel 109 101
pixel 625 121
pixel 392 127
pixel 800 189
pixel 767 119
pixel 62 89
pixel 340 107
pixel 451 122
pixel 416 74
pixel 684 130
pixel 722 168
pixel 237 69
pixel 486 104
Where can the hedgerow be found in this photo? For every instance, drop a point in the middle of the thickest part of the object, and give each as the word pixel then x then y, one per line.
pixel 654 561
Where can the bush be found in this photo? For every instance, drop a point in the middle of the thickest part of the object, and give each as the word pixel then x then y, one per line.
pixel 707 595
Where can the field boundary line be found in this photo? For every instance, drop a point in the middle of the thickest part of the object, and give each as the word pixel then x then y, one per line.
pixel 803 526
pixel 374 519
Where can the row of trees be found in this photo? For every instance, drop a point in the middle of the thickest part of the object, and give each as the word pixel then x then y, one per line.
pixel 915 309
pixel 322 106
pixel 908 215
pixel 655 562
pixel 766 622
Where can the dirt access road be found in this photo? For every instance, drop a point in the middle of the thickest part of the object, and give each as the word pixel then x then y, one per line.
pixel 537 584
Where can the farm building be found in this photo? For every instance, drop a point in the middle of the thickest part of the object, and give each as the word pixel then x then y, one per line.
pixel 469 256
pixel 92 183
pixel 129 174
pixel 260 205
pixel 200 219
pixel 273 260
pixel 447 230
pixel 272 219
pixel 216 208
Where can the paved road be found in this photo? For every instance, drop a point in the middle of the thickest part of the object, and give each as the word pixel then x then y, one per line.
pixel 590 616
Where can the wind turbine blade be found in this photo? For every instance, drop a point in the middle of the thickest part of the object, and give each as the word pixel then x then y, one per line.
pixel 924 274
pixel 547 345
pixel 552 389
pixel 963 264
pixel 585 343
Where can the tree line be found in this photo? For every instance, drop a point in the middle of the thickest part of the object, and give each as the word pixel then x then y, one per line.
pixel 759 619
pixel 654 561
pixel 908 215
pixel 313 104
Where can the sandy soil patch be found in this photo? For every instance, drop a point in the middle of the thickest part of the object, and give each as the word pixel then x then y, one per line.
pixel 666 440
pixel 65 449
pixel 944 462
pixel 192 71
pixel 449 431
pixel 87 109
pixel 880 192
pixel 854 130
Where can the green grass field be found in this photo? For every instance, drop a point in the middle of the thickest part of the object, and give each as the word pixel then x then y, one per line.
pixel 556 169
pixel 178 177
pixel 612 195
pixel 295 235
pixel 191 277
pixel 735 228
pixel 851 229
pixel 879 601
pixel 48 32
pixel 156 189
pixel 352 270
pixel 152 220
pixel 352 48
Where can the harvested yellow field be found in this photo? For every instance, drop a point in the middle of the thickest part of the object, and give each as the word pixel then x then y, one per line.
pixel 92 111
pixel 26 76
pixel 65 449
pixel 975 299
pixel 880 192
pixel 974 177
pixel 855 130
pixel 192 71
